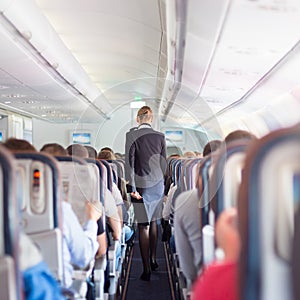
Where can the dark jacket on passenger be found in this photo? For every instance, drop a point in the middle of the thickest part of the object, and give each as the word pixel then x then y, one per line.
pixel 145 157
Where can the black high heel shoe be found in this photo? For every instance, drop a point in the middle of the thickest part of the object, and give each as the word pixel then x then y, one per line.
pixel 145 276
pixel 153 265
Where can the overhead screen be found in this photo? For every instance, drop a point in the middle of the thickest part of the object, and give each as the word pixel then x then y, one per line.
pixel 174 136
pixel 84 138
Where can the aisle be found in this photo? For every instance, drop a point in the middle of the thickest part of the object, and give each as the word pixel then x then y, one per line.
pixel 158 287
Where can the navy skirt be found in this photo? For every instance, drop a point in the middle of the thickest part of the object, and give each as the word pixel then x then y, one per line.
pixel 149 208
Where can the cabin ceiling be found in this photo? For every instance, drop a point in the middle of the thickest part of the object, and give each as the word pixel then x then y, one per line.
pixel 79 61
pixel 116 43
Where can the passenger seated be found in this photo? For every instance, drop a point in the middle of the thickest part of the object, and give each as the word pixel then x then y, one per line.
pixel 108 155
pixel 189 154
pixel 198 154
pixel 18 145
pixel 220 279
pixel 223 275
pixel 54 149
pixel 107 149
pixel 77 150
pixel 119 156
pixel 187 233
pixel 92 152
pixel 167 234
pixel 187 227
pixel 170 188
pixel 112 213
pixel 79 245
pixel 58 150
pixel 239 135
pixel 211 146
pixel 38 282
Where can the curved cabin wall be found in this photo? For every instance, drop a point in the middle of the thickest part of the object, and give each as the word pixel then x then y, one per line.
pixel 111 134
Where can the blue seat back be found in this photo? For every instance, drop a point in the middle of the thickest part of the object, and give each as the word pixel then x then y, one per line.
pixel 41 206
pixel 266 215
pixel 10 276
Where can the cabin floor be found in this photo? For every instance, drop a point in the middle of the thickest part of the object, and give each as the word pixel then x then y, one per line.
pixel 159 285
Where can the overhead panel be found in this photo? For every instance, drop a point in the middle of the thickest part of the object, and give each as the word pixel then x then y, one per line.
pixel 204 22
pixel 256 35
pixel 114 41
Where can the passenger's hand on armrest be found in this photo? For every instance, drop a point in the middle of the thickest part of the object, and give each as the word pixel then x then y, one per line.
pixel 94 210
pixel 136 195
pixel 102 244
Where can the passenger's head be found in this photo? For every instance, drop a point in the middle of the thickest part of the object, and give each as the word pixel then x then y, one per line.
pixel 211 147
pixel 18 145
pixel 239 135
pixel 189 154
pixel 119 155
pixel 107 149
pixel 144 115
pixel 107 155
pixel 54 149
pixel 77 150
pixel 198 154
pixel 174 155
pixel 91 151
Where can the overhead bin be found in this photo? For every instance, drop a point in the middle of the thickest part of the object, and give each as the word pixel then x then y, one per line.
pixel 45 53
pixel 191 44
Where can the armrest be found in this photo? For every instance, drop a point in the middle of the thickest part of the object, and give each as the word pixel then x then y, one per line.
pixel 112 257
pixel 208 244
pixel 83 274
pixel 7 278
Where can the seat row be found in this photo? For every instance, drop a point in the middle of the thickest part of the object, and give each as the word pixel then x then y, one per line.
pixel 33 187
pixel 260 179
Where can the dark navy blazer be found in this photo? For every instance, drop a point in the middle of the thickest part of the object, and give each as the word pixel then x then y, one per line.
pixel 145 157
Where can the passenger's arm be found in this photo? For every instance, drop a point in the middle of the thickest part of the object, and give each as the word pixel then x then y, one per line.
pixel 167 206
pixel 120 214
pixel 115 225
pixel 82 243
pixel 111 212
pixel 188 233
pixel 119 201
pixel 101 238
pixel 227 234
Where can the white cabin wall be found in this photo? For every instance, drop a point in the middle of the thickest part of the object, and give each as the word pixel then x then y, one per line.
pixel 46 132
pixel 193 140
pixel 110 133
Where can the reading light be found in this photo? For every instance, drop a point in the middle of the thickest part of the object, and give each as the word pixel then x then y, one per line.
pixel 37 201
